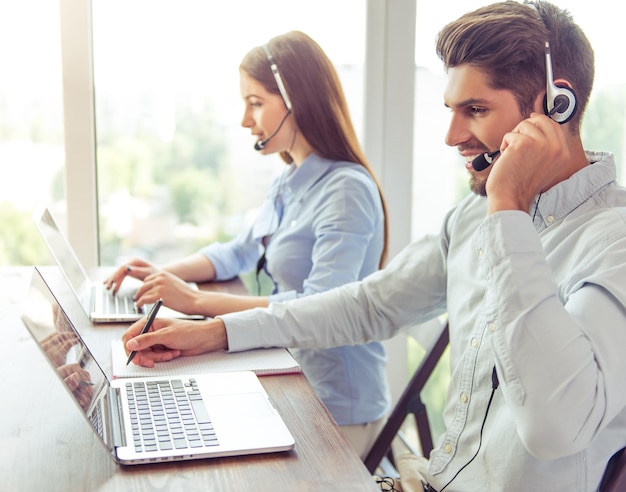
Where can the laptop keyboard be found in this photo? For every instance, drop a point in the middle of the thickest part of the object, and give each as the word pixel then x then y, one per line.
pixel 119 303
pixel 169 415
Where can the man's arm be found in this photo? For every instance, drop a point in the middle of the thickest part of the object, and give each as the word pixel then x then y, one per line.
pixel 558 349
pixel 411 289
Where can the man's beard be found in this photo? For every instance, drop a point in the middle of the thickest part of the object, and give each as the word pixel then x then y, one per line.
pixel 478 185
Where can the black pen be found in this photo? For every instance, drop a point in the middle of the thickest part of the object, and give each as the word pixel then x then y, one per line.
pixel 151 316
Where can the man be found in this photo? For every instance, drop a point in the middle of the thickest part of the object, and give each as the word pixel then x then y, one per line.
pixel 530 270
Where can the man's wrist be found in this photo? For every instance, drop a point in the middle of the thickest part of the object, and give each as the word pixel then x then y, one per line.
pixel 217 336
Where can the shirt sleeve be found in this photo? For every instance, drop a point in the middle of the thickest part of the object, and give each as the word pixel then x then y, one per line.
pixel 558 355
pixel 234 257
pixel 241 254
pixel 411 289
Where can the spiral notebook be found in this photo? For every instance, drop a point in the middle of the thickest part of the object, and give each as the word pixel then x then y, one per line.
pixel 262 362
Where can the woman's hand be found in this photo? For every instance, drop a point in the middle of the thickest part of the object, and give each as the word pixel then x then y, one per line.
pixel 176 293
pixel 136 267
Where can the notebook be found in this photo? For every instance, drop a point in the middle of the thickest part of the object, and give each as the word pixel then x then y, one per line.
pixel 98 302
pixel 263 362
pixel 201 416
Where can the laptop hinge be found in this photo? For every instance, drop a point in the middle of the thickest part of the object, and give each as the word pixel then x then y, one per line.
pixel 115 411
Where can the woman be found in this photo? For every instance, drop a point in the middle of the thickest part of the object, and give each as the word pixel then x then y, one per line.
pixel 322 224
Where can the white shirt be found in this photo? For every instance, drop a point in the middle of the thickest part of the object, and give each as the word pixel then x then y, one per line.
pixel 544 301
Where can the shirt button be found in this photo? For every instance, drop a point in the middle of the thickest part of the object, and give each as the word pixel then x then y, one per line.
pixel 447 448
pixel 481 253
pixel 492 326
pixel 550 218
pixel 474 342
pixel 464 397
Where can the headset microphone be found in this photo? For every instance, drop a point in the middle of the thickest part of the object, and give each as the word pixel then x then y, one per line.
pixel 483 161
pixel 260 145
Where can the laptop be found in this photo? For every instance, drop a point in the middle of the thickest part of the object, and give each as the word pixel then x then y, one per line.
pixel 152 419
pixel 99 303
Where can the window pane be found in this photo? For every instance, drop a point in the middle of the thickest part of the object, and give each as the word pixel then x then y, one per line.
pixel 175 168
pixel 31 126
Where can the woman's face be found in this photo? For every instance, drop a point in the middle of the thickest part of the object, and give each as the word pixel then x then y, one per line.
pixel 263 114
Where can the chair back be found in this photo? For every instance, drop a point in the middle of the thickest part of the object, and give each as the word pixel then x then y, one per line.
pixel 410 403
pixel 614 479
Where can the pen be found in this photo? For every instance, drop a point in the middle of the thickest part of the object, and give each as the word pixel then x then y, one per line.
pixel 151 316
pixel 86 383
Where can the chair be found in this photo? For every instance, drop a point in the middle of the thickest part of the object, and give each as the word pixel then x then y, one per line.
pixel 409 403
pixel 381 455
pixel 614 479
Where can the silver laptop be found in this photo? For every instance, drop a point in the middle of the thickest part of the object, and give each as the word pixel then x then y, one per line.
pixel 98 302
pixel 143 420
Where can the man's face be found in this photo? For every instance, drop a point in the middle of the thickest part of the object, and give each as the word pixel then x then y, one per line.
pixel 481 116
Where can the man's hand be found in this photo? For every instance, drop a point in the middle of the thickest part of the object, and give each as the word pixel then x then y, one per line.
pixel 535 156
pixel 169 339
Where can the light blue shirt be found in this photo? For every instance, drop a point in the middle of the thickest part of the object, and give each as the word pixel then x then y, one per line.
pixel 541 296
pixel 323 224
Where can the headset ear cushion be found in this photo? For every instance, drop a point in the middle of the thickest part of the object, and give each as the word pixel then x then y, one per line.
pixel 564 105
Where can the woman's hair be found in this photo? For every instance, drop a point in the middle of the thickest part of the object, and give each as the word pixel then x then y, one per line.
pixel 318 103
pixel 506 41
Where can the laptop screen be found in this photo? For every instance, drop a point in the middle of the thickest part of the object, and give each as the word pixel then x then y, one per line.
pixel 65 350
pixel 63 253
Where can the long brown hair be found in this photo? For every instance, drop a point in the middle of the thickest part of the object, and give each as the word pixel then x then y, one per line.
pixel 319 104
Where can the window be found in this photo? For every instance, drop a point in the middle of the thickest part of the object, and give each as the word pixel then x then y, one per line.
pixel 31 125
pixel 176 170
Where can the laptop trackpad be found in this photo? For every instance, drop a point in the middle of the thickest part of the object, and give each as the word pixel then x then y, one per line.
pixel 253 405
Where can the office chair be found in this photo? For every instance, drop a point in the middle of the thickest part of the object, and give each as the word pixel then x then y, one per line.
pixel 614 479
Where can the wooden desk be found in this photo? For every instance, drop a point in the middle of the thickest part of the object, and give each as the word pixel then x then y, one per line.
pixel 46 446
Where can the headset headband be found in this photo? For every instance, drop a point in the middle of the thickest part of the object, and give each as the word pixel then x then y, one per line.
pixel 277 77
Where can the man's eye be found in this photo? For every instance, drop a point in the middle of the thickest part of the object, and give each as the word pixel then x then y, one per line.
pixel 476 111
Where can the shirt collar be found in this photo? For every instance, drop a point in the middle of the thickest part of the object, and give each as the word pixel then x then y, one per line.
pixel 561 199
pixel 301 178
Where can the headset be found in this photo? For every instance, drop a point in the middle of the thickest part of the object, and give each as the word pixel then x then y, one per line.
pixel 260 145
pixel 560 100
pixel 559 104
